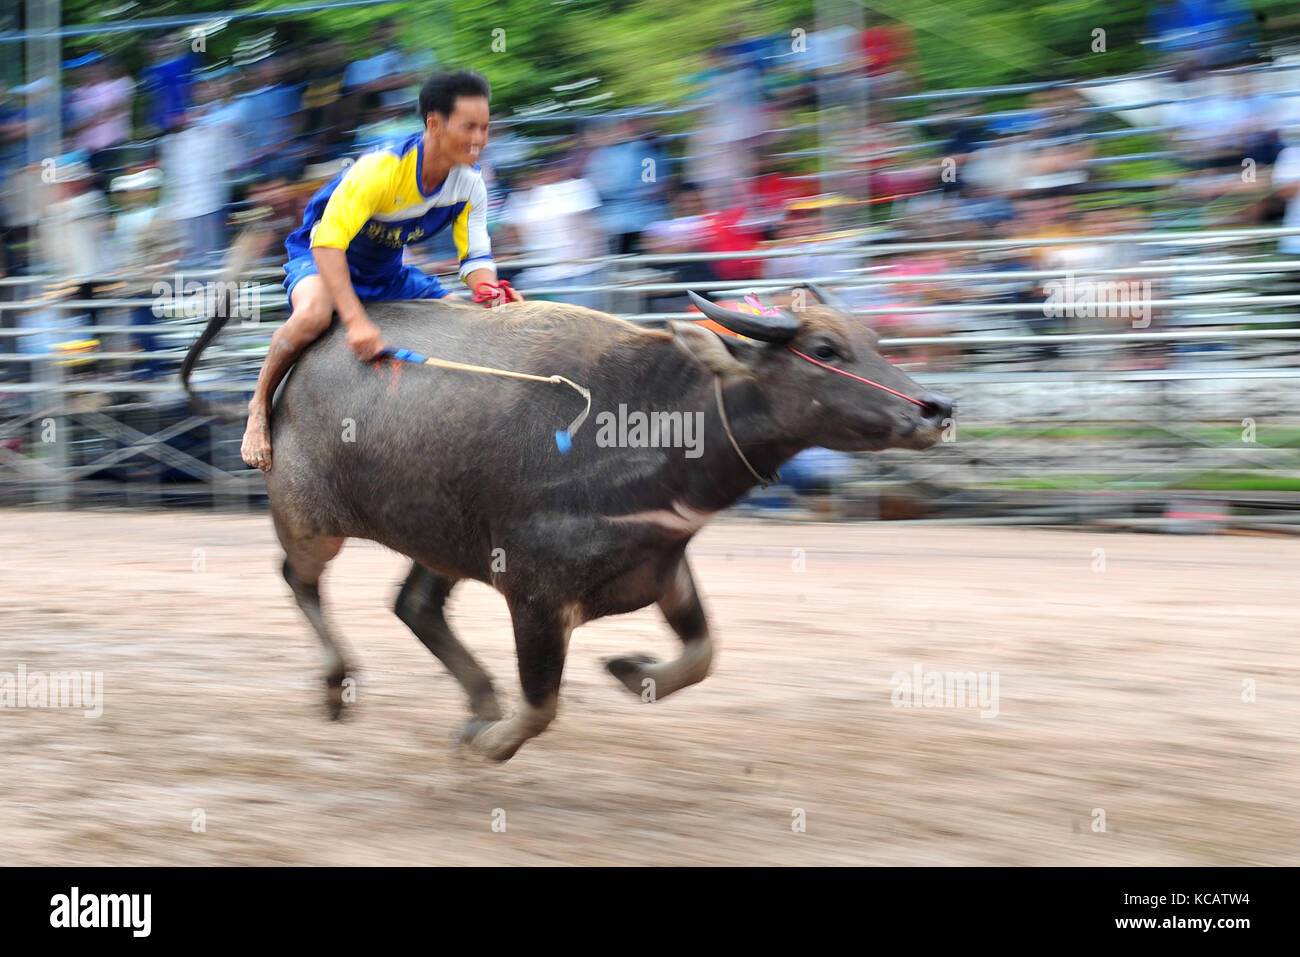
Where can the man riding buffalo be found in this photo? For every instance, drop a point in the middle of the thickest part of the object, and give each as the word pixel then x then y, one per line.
pixel 349 246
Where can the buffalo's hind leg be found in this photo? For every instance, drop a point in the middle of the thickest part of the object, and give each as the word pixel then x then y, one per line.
pixel 541 644
pixel 420 606
pixel 652 680
pixel 305 558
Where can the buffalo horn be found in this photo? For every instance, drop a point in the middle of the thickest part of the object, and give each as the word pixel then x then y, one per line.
pixel 778 328
pixel 826 297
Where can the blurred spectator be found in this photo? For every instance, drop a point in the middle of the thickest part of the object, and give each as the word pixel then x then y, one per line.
pixel 144 244
pixel 625 169
pixel 20 187
pixel 13 130
pixel 1286 187
pixel 888 49
pixel 1221 126
pixel 1046 216
pixel 1059 142
pixel 914 289
pixel 775 188
pixel 1202 32
pixel 220 107
pixel 555 218
pixel 382 125
pixel 1218 120
pixel 100 112
pixel 392 75
pixel 74 226
pixel 322 101
pixel 142 236
pixel 840 66
pixel 166 81
pixel 273 103
pixel 196 162
pixel 1002 167
pixel 686 231
pixel 731 230
pixel 817 254
pixel 724 142
pixel 71 244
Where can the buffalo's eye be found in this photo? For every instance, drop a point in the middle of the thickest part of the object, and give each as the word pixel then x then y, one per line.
pixel 825 352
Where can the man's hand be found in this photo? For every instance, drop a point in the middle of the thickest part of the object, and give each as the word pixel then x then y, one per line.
pixel 365 339
pixel 491 293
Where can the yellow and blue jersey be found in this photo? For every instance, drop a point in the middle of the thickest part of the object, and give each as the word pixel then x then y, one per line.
pixel 377 205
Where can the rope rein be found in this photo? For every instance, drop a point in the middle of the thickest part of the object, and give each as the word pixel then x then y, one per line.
pixel 564 437
pixel 859 378
pixel 726 427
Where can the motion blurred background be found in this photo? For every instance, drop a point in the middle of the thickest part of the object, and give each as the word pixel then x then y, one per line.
pixel 1078 219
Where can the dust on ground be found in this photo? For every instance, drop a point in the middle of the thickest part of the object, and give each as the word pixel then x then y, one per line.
pixel 1124 687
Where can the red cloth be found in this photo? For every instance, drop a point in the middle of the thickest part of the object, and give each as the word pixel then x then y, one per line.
pixel 886 48
pixel 725 234
pixel 777 191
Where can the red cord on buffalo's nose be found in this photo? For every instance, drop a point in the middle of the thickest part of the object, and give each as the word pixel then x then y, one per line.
pixel 858 377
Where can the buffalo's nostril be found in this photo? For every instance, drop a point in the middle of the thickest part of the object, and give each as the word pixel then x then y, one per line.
pixel 936 406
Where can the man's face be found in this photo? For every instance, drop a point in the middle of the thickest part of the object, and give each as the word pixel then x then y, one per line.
pixel 464 133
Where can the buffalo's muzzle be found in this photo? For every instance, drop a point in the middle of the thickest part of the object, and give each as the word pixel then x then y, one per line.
pixel 936 408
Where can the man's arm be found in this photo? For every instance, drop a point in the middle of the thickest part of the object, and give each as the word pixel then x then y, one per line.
pixel 363 335
pixel 353 202
pixel 473 246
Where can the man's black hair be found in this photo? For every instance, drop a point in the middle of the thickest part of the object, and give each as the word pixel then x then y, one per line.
pixel 438 95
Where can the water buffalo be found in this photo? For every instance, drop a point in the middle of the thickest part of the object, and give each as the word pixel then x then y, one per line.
pixel 460 471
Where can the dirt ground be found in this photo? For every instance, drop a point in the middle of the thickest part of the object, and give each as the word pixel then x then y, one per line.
pixel 1121 700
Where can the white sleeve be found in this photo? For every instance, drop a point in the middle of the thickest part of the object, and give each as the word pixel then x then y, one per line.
pixel 470 231
pixel 1286 169
pixel 582 196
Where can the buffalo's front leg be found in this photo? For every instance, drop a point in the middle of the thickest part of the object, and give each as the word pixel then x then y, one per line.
pixel 650 679
pixel 541 643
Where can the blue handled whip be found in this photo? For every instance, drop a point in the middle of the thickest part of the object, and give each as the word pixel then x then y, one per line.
pixel 563 437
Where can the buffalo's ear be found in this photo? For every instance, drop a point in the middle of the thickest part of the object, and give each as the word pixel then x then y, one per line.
pixel 725 355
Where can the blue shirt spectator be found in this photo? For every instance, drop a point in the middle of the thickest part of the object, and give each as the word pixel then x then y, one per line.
pixel 628 173
pixel 1218 30
pixel 167 84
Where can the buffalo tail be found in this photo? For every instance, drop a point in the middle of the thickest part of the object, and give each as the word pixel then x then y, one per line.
pixel 245 250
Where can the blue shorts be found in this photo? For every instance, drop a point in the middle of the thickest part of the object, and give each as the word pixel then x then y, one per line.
pixel 407 283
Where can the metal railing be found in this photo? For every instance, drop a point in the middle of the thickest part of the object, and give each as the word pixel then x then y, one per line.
pixel 126 439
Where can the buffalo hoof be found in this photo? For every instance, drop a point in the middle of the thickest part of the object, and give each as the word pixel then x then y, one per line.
pixel 485 738
pixel 337 702
pixel 470 730
pixel 630 671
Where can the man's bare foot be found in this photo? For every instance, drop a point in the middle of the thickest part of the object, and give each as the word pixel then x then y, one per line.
pixel 256 447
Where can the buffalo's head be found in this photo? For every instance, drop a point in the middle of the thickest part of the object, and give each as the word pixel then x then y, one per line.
pixel 809 365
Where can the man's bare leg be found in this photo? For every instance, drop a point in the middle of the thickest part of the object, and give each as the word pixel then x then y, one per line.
pixel 312 310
